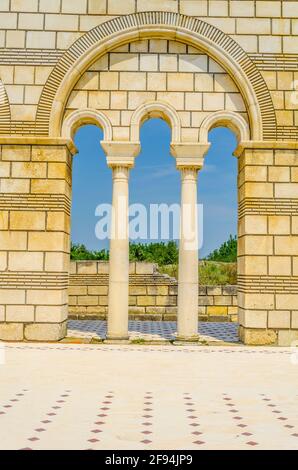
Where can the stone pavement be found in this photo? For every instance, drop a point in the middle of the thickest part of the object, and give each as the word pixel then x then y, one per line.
pixel 88 396
pixel 155 330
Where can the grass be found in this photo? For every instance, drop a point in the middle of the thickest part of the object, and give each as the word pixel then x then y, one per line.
pixel 210 272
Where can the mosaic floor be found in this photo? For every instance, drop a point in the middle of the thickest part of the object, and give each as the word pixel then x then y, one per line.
pixel 91 397
pixel 154 331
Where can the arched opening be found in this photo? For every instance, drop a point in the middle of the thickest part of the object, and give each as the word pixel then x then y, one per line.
pixel 91 186
pixel 218 194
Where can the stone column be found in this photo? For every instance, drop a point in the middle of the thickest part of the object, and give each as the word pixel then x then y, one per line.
pixel 189 160
pixel 120 157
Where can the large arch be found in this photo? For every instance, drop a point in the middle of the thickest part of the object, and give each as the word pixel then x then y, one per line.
pixel 173 26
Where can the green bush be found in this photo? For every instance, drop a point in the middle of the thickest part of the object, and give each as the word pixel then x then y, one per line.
pixel 160 253
pixel 80 252
pixel 210 272
pixel 227 252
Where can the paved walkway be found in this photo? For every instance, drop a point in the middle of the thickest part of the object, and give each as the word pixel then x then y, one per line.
pixel 64 396
pixel 155 330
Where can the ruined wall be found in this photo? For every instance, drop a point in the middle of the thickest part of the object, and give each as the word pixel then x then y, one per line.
pixel 153 296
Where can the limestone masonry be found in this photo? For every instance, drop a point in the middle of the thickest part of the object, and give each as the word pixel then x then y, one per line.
pixel 196 64
pixel 152 296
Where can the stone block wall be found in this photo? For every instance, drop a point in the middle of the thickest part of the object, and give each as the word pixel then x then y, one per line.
pixel 268 245
pixel 153 296
pixel 34 239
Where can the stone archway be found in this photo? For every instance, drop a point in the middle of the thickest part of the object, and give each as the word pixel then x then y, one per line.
pixel 36 186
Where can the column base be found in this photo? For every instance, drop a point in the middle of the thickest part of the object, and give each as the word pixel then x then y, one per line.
pixel 117 340
pixel 186 340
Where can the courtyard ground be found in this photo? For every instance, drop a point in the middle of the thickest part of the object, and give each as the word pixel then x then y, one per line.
pixel 97 396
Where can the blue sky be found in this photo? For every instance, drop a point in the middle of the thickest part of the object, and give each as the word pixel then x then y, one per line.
pixel 155 180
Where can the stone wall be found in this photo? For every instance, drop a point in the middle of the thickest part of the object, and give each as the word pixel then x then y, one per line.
pixel 153 296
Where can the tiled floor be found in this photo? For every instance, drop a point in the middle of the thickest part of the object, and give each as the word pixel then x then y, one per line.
pixel 208 331
pixel 61 396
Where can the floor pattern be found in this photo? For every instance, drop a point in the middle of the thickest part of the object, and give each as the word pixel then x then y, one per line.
pixel 155 330
pixel 92 397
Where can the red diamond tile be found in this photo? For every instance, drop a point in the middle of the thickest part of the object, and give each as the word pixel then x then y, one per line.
pixel 146 432
pixel 147 416
pixel 93 440
pixel 51 414
pixel 146 441
pixel 295 435
pixel 281 418
pixel 190 410
pixel 46 421
pixel 32 439
pixel 288 426
pixel 147 409
pixel 237 417
pixel 252 443
pixel 96 431
pixel 40 430
pixel 104 408
pixel 101 415
pixel 194 424
pixel 199 442
pixel 147 424
pixel 197 433
pixel 242 425
pixel 98 423
pixel 192 417
pixel 246 434
pixel 2 413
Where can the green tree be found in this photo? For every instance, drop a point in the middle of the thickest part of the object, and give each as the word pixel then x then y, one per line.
pixel 227 252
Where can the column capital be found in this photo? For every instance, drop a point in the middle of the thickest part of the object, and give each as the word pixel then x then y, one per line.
pixel 121 153
pixel 265 144
pixel 189 155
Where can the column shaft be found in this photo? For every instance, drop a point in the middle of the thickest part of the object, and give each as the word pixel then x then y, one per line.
pixel 119 258
pixel 188 258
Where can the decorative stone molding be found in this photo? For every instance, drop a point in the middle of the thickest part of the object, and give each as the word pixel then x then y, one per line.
pixel 86 116
pixel 232 120
pixel 121 154
pixel 189 155
pixel 44 141
pixel 134 27
pixel 281 145
pixel 155 109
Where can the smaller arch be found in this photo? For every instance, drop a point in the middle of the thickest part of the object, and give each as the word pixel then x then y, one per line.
pixel 230 119
pixel 82 117
pixel 155 109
